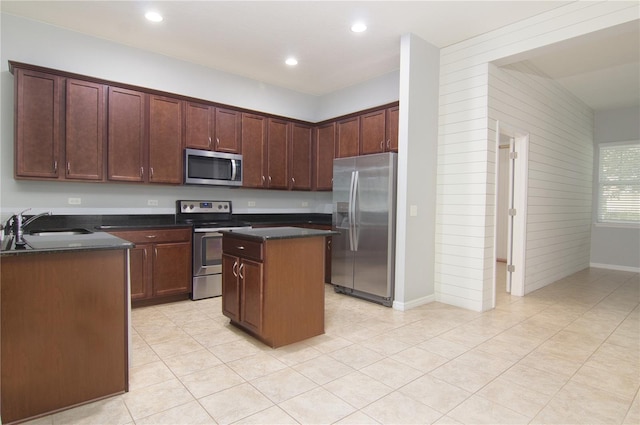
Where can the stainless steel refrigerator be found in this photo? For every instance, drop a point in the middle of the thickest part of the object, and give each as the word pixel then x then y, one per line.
pixel 364 205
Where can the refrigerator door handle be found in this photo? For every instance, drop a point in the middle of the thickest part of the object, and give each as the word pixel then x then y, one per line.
pixel 354 206
pixel 350 210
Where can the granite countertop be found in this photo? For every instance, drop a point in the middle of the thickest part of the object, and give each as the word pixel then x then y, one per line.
pixel 270 233
pixel 64 243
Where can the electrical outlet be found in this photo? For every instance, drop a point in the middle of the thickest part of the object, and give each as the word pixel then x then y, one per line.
pixel 152 202
pixel 252 203
pixel 75 201
pixel 305 204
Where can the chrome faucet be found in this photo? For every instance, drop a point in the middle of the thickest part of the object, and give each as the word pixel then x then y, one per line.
pixel 19 223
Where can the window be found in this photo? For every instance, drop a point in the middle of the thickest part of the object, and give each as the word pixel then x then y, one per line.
pixel 619 183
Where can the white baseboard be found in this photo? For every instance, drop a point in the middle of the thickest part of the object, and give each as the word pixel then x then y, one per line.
pixel 397 305
pixel 615 267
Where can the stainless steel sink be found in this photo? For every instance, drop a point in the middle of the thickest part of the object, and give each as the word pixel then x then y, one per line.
pixel 60 232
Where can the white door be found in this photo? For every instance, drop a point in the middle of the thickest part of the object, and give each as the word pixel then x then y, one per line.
pixel 516 211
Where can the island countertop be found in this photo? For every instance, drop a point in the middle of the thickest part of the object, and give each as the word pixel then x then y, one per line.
pixel 270 233
pixel 60 243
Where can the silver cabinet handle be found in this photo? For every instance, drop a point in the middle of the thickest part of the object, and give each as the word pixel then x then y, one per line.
pixel 68 167
pixel 217 142
pixel 381 144
pixel 151 172
pixel 388 143
pixel 293 180
pixel 234 269
pixel 241 248
pixel 150 236
pixel 55 166
pixel 240 271
pixel 209 144
pixel 141 171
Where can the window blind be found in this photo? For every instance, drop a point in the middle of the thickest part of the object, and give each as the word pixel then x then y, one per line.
pixel 619 183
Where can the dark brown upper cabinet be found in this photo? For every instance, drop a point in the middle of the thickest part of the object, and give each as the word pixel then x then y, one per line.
pixel 211 128
pixel 347 137
pixel 38 111
pixel 126 135
pixel 165 140
pixel 301 152
pixel 85 130
pixel 323 156
pixel 277 154
pixel 254 139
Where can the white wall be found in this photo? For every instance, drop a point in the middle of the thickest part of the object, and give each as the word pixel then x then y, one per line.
pixel 44 45
pixel 560 129
pixel 612 246
pixel 417 153
pixel 465 216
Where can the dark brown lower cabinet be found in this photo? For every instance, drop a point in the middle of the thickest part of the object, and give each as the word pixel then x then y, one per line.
pixel 160 264
pixel 64 330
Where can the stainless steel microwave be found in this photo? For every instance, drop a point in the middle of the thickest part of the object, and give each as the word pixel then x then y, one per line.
pixel 212 168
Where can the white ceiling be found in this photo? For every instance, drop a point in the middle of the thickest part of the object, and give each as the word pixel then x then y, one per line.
pixel 253 38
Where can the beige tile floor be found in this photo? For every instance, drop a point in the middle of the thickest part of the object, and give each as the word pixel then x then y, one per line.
pixel 565 354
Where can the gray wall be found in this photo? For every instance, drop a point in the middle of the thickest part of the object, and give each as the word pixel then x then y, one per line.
pixel 40 44
pixel 614 246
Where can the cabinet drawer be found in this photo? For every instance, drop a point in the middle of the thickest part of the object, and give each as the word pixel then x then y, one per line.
pixel 242 248
pixel 154 235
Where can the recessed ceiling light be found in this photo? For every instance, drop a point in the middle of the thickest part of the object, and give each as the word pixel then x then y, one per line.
pixel 153 16
pixel 358 27
pixel 291 61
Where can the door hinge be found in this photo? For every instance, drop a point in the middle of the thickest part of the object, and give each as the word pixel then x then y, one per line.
pixel 511 268
pixel 513 155
pixel 512 211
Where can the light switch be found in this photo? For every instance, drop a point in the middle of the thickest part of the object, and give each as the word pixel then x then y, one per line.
pixel 413 210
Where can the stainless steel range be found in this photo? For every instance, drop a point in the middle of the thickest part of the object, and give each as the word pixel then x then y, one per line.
pixel 208 219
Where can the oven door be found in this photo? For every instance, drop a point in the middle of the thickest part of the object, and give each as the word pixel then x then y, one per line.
pixel 207 253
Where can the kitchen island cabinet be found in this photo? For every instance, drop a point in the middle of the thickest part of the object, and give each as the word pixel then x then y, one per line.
pixel 273 282
pixel 64 327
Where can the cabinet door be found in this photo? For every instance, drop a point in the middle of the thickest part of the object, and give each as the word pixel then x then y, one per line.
pixel 348 137
pixel 140 271
pixel 171 268
pixel 373 133
pixel 198 126
pixel 37 124
pixel 165 140
pixel 126 135
pixel 84 130
pixel 277 148
pixel 230 287
pixel 227 131
pixel 392 128
pixel 251 282
pixel 300 159
pixel 254 136
pixel 324 152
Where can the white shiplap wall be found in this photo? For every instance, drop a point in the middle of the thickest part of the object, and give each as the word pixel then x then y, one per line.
pixel 466 153
pixel 560 165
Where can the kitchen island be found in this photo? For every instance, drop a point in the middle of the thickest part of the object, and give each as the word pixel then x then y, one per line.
pixel 64 322
pixel 273 282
